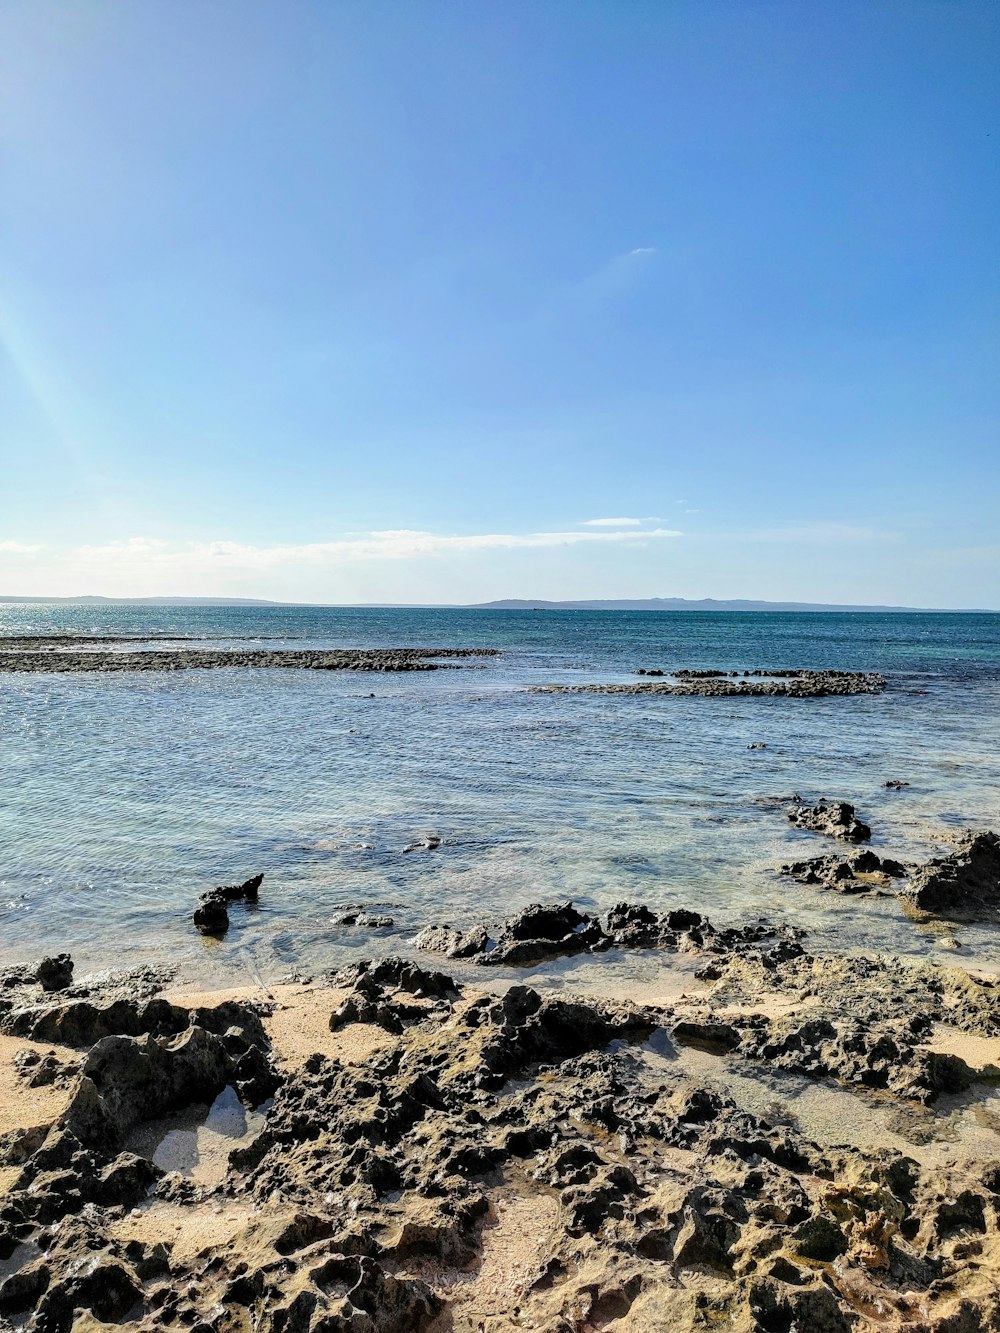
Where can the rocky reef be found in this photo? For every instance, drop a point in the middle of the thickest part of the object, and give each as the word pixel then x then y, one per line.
pixel 794 684
pixel 963 885
pixel 57 657
pixel 434 1156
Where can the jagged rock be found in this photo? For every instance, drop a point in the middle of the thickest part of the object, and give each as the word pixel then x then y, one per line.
pixel 451 942
pixel 83 1022
pixel 248 891
pixel 964 885
pixel 211 917
pixel 570 1127
pixel 707 1036
pixel 543 932
pixel 864 872
pixel 100 1283
pixel 55 973
pixel 835 818
pixel 40 1071
pixel 128 1079
pixel 400 974
pixel 895 784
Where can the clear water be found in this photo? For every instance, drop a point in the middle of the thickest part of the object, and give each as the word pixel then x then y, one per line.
pixel 125 795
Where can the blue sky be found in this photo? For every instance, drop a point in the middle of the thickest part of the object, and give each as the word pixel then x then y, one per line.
pixel 357 300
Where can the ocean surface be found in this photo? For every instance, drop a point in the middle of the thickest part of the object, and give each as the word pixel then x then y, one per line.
pixel 125 795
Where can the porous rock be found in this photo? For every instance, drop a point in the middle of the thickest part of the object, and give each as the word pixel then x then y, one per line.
pixel 865 872
pixel 963 885
pixel 836 819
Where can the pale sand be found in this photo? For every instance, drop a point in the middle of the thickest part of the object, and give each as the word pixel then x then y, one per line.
pixel 981 1053
pixel 188 1229
pixel 516 1243
pixel 300 1024
pixel 22 1107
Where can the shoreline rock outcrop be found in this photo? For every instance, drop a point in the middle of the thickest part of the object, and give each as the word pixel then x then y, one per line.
pixel 964 885
pixel 446 1158
pixel 545 931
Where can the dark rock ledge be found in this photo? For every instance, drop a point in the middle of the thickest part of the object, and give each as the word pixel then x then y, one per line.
pixel 183 659
pixel 453 1159
pixel 795 684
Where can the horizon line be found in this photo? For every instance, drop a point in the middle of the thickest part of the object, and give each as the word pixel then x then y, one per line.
pixel 505 603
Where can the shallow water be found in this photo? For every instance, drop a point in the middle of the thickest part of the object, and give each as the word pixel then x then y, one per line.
pixel 955 1129
pixel 125 795
pixel 197 1142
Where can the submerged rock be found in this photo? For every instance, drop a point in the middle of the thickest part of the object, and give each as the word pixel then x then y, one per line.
pixel 359 917
pixel 964 885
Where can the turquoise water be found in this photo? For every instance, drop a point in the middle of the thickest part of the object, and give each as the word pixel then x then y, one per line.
pixel 124 796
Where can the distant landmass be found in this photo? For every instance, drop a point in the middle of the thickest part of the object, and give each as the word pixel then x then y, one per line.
pixel 701 604
pixel 507 604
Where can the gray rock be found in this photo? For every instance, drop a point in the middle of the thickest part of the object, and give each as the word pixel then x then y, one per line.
pixel 963 886
pixel 834 818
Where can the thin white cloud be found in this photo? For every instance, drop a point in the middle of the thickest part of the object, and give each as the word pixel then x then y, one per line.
pixel 617 277
pixel 355 566
pixel 612 522
pixel 389 544
pixel 18 548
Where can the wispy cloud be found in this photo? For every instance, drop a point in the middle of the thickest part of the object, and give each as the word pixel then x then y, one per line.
pixel 18 548
pixel 613 522
pixel 616 277
pixel 145 566
pixel 388 544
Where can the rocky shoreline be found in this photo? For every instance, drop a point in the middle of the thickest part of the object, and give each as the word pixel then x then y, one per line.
pixel 411 1151
pixel 186 659
pixel 793 684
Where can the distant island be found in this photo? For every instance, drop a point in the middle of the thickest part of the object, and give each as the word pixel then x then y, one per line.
pixel 706 604
pixel 507 604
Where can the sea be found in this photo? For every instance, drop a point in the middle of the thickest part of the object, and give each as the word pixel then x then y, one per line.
pixel 124 795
